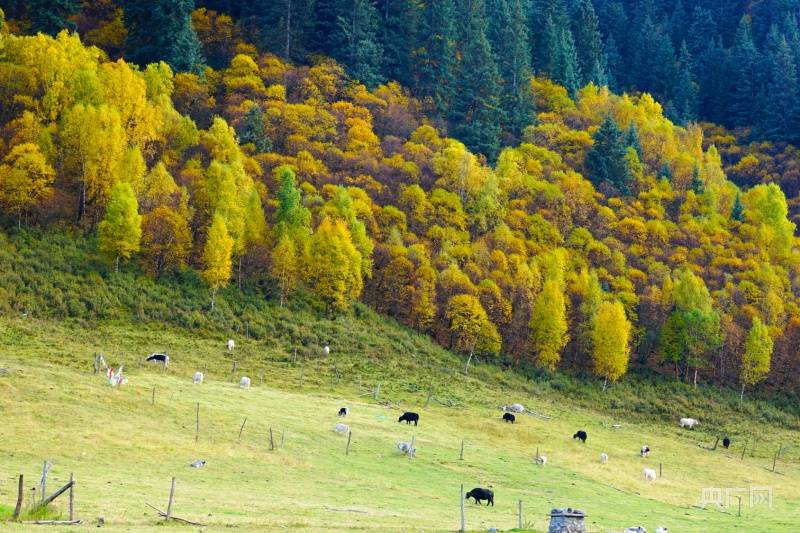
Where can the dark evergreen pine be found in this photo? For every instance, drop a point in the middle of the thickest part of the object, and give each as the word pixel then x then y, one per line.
pixel 737 211
pixel 614 64
pixel 697 184
pixel 606 160
pixel 356 43
pixel 701 31
pixel 434 59
pixel 632 139
pixel 781 93
pixel 162 30
pixel 589 44
pixel 281 26
pixel 51 16
pixel 683 104
pixel 678 23
pixel 713 82
pixel 252 130
pixel 396 17
pixel 508 37
pixel 475 113
pixel 665 173
pixel 744 77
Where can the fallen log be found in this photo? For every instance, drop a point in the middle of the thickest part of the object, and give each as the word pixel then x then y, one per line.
pixel 173 517
pixel 54 522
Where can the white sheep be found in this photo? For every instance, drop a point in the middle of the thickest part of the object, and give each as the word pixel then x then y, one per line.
pixel 244 383
pixel 649 474
pixel 635 529
pixel 645 451
pixel 662 529
pixel 341 428
pixel 327 350
pixel 405 447
pixel 689 423
pixel 542 460
pixel 198 463
pixel 197 379
pixel 603 458
pixel 231 345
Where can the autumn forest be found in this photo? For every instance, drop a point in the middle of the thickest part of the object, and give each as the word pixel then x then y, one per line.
pixel 513 178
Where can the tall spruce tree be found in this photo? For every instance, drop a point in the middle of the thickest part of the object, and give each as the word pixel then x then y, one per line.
pixel 396 17
pixel 508 37
pixel 744 76
pixel 475 113
pixel 356 41
pixel 589 44
pixel 284 27
pixel 683 102
pixel 51 16
pixel 606 160
pixel 162 30
pixel 781 93
pixel 434 55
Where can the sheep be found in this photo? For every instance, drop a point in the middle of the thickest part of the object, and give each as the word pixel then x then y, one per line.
pixel 635 529
pixel 580 435
pixel 481 494
pixel 649 474
pixel 244 383
pixel 341 428
pixel 541 460
pixel 645 451
pixel 603 458
pixel 405 447
pixel 662 529
pixel 198 463
pixel 508 417
pixel 343 411
pixel 409 417
pixel 231 345
pixel 689 423
pixel 726 443
pixel 327 350
pixel 197 379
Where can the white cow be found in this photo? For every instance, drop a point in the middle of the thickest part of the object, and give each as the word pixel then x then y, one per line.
pixel 244 383
pixel 231 345
pixel 603 458
pixel 649 474
pixel 197 379
pixel 542 460
pixel 341 428
pixel 689 423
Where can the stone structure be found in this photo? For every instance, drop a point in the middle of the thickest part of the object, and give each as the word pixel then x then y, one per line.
pixel 567 521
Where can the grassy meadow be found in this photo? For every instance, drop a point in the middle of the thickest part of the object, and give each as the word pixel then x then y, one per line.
pixel 123 450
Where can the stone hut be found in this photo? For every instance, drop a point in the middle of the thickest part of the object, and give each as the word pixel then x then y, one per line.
pixel 567 521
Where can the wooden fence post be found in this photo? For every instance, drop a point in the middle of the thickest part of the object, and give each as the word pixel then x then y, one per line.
pixel 271 441
pixel 777 454
pixel 233 371
pixel 377 392
pixel 463 525
pixel 18 507
pixel 461 455
pixel 45 469
pixel 153 396
pixel 519 515
pixel 171 494
pixel 242 428
pixel 71 497
pixel 197 423
pixel 659 471
pixel 347 448
pixel 411 450
pixel 744 449
pixel 283 434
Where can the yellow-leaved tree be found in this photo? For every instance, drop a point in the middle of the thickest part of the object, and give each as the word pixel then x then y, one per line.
pixel 611 333
pixel 285 267
pixel 757 355
pixel 333 266
pixel 470 327
pixel 548 325
pixel 25 179
pixel 217 256
pixel 120 232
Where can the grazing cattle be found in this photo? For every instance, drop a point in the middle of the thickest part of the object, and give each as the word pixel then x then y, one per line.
pixel 341 428
pixel 409 417
pixel 542 460
pixel 726 443
pixel 405 447
pixel 162 358
pixel 508 417
pixel 343 411
pixel 231 345
pixel 244 383
pixel 635 529
pixel 689 423
pixel 649 474
pixel 199 463
pixel 662 529
pixel 481 494
pixel 197 379
pixel 603 458
pixel 580 435
pixel 645 451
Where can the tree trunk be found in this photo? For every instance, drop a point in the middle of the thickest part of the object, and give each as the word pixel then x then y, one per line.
pixel 741 396
pixel 605 384
pixel 213 297
pixel 469 359
pixel 288 28
pixel 695 377
pixel 116 264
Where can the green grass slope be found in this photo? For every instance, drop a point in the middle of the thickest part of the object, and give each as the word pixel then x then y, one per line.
pixel 123 450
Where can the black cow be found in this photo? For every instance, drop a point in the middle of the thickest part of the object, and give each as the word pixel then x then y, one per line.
pixel 481 494
pixel 409 417
pixel 508 417
pixel 343 411
pixel 159 358
pixel 581 434
pixel 726 442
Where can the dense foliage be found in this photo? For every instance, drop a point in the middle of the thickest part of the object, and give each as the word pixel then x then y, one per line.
pixel 600 216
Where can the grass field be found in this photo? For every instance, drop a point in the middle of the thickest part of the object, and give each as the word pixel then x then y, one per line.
pixel 123 450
